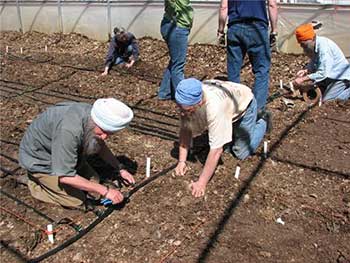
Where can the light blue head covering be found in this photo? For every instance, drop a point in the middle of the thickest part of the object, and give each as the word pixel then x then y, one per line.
pixel 111 115
pixel 189 92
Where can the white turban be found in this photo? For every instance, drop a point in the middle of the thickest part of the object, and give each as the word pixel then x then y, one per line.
pixel 111 115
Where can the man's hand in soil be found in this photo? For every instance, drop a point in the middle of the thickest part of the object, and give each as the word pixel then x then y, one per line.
pixel 105 72
pixel 302 73
pixel 127 176
pixel 198 188
pixel 130 64
pixel 114 195
pixel 181 168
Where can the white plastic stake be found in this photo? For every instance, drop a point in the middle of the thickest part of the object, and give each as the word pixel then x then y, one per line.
pixel 7 49
pixel 265 149
pixel 238 170
pixel 280 221
pixel 45 48
pixel 281 84
pixel 291 87
pixel 21 50
pixel 320 102
pixel 50 233
pixel 148 167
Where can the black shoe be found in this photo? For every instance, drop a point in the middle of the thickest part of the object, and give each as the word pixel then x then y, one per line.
pixel 228 147
pixel 266 116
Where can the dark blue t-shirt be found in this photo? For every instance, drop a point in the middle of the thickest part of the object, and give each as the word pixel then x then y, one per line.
pixel 246 10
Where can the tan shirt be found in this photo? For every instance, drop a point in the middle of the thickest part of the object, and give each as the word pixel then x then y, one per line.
pixel 225 103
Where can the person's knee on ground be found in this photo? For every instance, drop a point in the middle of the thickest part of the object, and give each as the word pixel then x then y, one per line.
pixel 240 153
pixel 47 188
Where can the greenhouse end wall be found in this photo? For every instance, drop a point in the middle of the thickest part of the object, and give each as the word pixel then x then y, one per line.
pixel 96 19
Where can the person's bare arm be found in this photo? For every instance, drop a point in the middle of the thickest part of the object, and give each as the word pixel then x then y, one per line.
pixel 198 187
pixel 273 15
pixel 222 17
pixel 185 142
pixel 83 184
pixel 106 154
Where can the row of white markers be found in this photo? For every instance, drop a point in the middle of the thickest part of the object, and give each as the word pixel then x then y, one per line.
pixel 21 49
pixel 148 174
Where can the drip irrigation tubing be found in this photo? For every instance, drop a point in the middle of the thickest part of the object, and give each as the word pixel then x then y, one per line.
pixel 9 158
pixel 7 172
pixel 44 93
pixel 151 79
pixel 100 218
pixel 28 206
pixel 162 131
pixel 142 128
pixel 8 142
pixel 23 219
pixel 16 90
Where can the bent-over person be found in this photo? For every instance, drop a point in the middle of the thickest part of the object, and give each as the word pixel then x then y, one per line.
pixel 123 50
pixel 327 69
pixel 56 144
pixel 229 112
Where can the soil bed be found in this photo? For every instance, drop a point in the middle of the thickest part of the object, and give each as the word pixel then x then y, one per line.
pixel 305 180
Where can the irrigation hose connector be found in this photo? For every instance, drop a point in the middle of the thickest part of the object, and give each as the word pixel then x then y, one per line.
pixel 312 96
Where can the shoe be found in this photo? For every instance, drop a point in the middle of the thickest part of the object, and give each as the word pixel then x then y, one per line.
pixel 266 116
pixel 228 147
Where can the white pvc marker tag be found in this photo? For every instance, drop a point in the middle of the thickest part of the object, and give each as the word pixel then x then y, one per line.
pixel 7 49
pixel 280 221
pixel 238 170
pixel 291 86
pixel 50 233
pixel 45 48
pixel 265 149
pixel 281 84
pixel 21 50
pixel 148 167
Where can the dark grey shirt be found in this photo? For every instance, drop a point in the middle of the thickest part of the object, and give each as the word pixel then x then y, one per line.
pixel 52 143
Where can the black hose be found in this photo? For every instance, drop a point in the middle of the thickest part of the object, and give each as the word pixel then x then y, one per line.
pixel 28 206
pixel 99 219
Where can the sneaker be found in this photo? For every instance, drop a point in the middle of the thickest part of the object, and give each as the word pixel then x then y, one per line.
pixel 266 116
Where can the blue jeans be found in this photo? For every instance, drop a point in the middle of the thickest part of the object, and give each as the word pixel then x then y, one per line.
pixel 123 59
pixel 177 41
pixel 251 38
pixel 248 132
pixel 337 90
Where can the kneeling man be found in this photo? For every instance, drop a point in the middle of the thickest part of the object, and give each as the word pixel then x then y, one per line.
pixel 55 146
pixel 228 111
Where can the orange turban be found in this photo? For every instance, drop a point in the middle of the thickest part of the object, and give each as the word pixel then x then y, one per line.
pixel 304 32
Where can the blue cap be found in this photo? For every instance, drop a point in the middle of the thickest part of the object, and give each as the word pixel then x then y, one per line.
pixel 189 92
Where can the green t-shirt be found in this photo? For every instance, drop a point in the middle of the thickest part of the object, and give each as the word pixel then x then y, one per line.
pixel 180 11
pixel 52 143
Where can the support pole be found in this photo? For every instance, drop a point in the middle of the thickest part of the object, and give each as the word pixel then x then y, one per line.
pixel 109 22
pixel 59 18
pixel 19 17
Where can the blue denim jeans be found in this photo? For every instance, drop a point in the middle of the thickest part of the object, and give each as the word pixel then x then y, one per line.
pixel 337 90
pixel 248 132
pixel 251 38
pixel 177 41
pixel 123 59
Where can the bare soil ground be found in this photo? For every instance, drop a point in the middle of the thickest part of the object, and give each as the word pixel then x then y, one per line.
pixel 305 180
